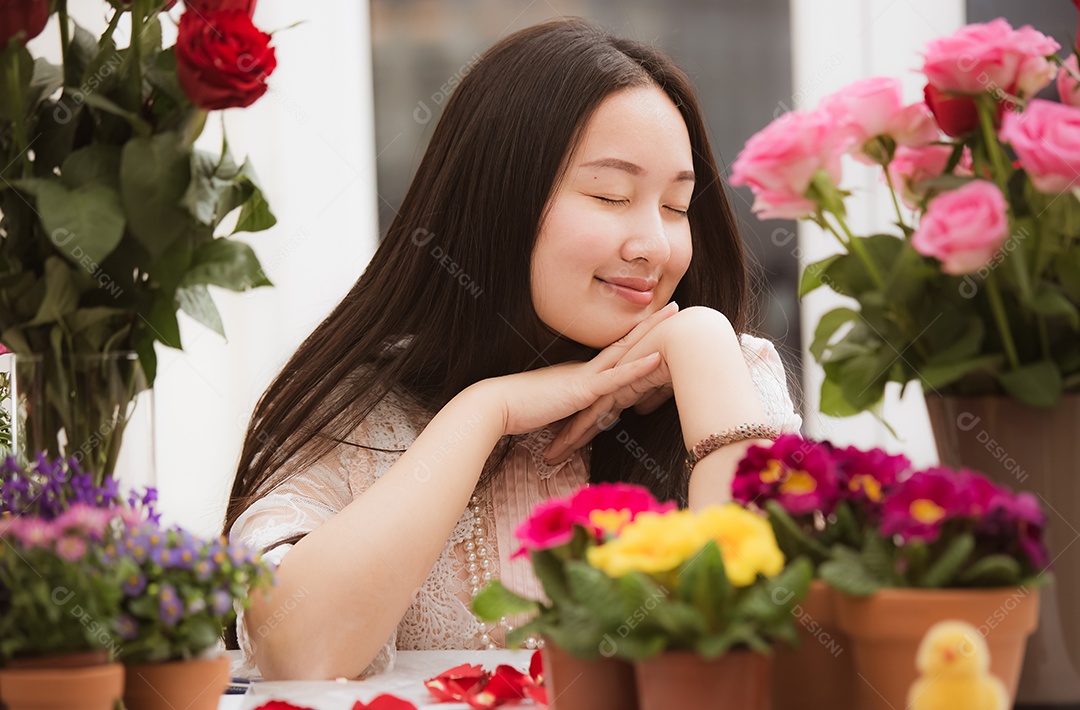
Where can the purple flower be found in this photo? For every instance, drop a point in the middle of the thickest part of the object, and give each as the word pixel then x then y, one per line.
pixel 203 570
pixel 220 602
pixel 170 607
pixel 797 473
pixel 128 627
pixel 134 585
pixel 922 503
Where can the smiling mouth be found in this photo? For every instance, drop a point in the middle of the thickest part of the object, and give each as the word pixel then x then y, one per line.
pixel 638 297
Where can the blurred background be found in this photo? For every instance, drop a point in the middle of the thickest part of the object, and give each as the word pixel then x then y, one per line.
pixel 358 89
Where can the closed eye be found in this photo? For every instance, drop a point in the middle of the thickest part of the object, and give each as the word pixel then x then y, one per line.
pixel 681 213
pixel 610 201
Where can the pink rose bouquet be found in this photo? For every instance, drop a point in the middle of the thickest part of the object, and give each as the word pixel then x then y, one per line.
pixel 978 290
pixel 866 520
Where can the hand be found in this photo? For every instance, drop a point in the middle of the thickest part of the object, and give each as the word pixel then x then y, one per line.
pixel 536 398
pixel 645 395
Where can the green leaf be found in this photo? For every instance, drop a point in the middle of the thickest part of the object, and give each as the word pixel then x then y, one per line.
pixel 255 216
pixel 948 565
pixel 496 601
pixel 991 571
pixel 96 163
pixel 833 403
pixel 81 53
pixel 799 542
pixel 138 125
pixel 226 263
pixel 847 573
pixel 46 79
pixel 197 303
pixel 703 583
pixel 552 577
pixel 1051 303
pixel 638 647
pixel 937 376
pixel 162 321
pixel 61 298
pixel 154 175
pixel 965 347
pixel 1038 384
pixel 596 591
pixel 813 276
pixel 84 223
pixel 827 327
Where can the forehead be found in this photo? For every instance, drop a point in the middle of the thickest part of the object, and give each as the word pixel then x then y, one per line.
pixel 639 119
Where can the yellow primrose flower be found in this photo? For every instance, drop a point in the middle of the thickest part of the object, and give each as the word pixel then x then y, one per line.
pixel 652 543
pixel 746 541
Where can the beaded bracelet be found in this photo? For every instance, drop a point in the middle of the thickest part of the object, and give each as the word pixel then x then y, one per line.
pixel 712 442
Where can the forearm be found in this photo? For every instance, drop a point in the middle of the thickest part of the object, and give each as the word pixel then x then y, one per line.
pixel 346 585
pixel 714 392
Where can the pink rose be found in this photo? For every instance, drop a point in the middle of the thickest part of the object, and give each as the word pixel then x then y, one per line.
pixel 874 107
pixel 964 227
pixel 779 162
pixel 1068 88
pixel 991 57
pixel 912 166
pixel 1046 138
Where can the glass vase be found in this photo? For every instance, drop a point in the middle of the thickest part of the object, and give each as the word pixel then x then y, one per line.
pixel 95 408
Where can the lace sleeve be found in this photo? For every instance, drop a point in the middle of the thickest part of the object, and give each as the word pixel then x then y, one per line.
pixel 312 497
pixel 770 379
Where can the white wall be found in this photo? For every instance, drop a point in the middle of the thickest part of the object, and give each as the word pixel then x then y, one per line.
pixel 855 39
pixel 311 139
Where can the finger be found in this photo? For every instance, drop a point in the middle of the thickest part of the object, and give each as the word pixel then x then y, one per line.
pixel 614 378
pixel 603 422
pixel 599 413
pixel 611 355
pixel 653 401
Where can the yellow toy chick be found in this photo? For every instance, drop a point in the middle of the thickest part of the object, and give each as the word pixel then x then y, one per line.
pixel 954 663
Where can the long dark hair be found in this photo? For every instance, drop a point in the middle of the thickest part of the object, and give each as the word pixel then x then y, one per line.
pixel 479 197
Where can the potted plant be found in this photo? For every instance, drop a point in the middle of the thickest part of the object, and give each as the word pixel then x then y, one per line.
pixel 112 221
pixel 977 286
pixel 694 600
pixel 580 668
pixel 59 595
pixel 907 550
pixel 816 496
pixel 177 599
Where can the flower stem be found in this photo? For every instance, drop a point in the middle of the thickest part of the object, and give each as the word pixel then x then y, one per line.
pixel 65 38
pixel 18 113
pixel 892 194
pixel 993 148
pixel 998 306
pixel 860 251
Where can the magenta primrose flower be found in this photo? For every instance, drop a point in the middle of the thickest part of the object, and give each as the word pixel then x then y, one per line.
pixel 798 473
pixel 867 477
pixel 921 504
pixel 602 509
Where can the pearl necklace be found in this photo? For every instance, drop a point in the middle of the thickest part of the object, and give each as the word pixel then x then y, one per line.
pixel 479 556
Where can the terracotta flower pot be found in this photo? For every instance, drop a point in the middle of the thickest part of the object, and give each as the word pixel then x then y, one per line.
pixel 95 687
pixel 887 627
pixel 820 673
pixel 576 684
pixel 195 685
pixel 685 680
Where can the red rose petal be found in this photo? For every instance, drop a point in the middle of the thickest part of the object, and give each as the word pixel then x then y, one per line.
pixel 385 702
pixel 537 693
pixel 536 665
pixel 280 705
pixel 508 683
pixel 456 683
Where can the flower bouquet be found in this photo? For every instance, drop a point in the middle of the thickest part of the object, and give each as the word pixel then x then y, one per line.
pixel 978 287
pixel 112 221
pixel 904 550
pixel 630 579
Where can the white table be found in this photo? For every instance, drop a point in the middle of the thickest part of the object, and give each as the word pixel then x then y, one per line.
pixel 406 681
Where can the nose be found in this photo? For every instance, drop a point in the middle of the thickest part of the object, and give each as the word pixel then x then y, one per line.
pixel 648 239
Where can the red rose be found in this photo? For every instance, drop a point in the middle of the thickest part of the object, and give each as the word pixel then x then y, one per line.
pixel 222 59
pixel 203 7
pixel 957 116
pixel 26 16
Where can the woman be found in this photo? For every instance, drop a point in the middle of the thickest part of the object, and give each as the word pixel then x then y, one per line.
pixel 571 183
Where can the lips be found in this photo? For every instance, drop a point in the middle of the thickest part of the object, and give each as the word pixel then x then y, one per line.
pixel 636 291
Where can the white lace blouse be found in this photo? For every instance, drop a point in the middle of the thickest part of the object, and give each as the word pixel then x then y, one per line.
pixel 481 543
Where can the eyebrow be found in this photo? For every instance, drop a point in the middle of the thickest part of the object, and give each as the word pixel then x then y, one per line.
pixel 625 166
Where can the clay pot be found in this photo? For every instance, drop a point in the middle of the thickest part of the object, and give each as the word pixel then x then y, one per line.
pixel 576 684
pixel 685 680
pixel 820 673
pixel 81 687
pixel 886 628
pixel 195 685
